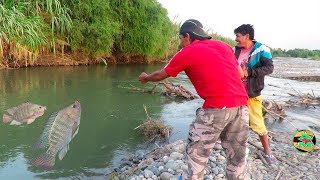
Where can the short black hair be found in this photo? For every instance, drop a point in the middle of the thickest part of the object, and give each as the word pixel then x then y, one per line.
pixel 195 29
pixel 193 36
pixel 245 29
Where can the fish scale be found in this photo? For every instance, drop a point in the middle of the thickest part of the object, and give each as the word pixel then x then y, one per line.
pixel 58 131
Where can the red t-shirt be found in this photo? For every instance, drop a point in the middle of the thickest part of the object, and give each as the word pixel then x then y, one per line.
pixel 212 68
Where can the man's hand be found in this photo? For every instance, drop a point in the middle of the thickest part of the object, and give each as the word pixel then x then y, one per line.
pixel 143 78
pixel 245 73
pixel 154 77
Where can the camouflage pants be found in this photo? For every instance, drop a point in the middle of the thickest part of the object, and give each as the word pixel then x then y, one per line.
pixel 231 126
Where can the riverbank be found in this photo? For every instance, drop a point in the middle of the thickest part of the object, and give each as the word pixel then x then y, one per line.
pixel 168 162
pixel 79 59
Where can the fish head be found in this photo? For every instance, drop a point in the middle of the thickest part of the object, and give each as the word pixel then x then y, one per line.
pixel 38 110
pixel 74 111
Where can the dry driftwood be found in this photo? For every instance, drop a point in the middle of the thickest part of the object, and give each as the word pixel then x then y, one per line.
pixel 304 99
pixel 154 128
pixel 274 109
pixel 177 89
pixel 171 90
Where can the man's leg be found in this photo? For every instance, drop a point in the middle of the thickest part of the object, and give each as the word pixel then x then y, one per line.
pixel 203 134
pixel 265 143
pixel 258 126
pixel 234 139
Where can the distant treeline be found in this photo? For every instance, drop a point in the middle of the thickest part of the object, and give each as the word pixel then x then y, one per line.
pixel 297 53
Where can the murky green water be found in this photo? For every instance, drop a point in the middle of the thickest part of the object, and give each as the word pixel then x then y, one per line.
pixel 109 115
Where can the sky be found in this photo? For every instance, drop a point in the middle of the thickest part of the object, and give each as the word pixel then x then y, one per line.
pixel 285 24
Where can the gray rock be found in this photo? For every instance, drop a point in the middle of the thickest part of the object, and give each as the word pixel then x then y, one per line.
pixel 149 161
pixel 184 167
pixel 165 159
pixel 161 169
pixel 213 159
pixel 210 177
pixel 179 171
pixel 223 154
pixel 213 165
pixel 172 165
pixel 217 146
pixel 215 171
pixel 303 168
pixel 176 155
pixel 148 173
pixel 171 171
pixel 221 157
pixel 166 176
pixel 220 175
pixel 181 148
pixel 155 171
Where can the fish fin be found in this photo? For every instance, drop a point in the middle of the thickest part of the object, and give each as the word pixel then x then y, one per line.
pixel 29 121
pixel 12 110
pixel 75 133
pixel 42 142
pixel 7 118
pixel 63 152
pixel 75 129
pixel 14 122
pixel 45 161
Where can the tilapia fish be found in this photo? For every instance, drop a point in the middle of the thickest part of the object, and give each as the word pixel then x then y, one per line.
pixel 61 128
pixel 23 113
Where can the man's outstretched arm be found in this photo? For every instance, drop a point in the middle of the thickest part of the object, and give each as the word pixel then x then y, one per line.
pixel 155 76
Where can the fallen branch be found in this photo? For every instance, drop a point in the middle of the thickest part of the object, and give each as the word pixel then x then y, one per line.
pixel 279 173
pixel 262 158
pixel 178 90
pixel 273 114
pixel 280 135
pixel 297 176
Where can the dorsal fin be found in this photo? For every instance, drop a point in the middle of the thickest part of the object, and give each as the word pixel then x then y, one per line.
pixel 12 110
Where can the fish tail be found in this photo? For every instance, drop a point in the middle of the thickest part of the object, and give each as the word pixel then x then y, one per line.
pixel 45 161
pixel 6 118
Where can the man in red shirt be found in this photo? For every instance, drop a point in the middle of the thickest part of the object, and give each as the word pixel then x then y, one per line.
pixel 213 70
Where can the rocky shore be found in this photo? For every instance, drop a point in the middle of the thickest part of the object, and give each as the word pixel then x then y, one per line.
pixel 168 162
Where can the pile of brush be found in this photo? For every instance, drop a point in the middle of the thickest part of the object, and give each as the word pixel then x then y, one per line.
pixel 154 129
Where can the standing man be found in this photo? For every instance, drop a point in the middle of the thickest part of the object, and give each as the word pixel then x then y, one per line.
pixel 256 62
pixel 213 70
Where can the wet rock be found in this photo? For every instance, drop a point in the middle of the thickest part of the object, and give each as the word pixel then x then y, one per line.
pixel 148 173
pixel 217 146
pixel 176 155
pixel 166 176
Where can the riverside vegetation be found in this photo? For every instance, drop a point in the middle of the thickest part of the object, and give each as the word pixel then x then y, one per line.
pixel 62 32
pixel 47 32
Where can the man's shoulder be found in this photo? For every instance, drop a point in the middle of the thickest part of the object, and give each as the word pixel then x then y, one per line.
pixel 260 47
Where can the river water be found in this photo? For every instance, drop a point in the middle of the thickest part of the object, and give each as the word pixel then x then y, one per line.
pixel 110 112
